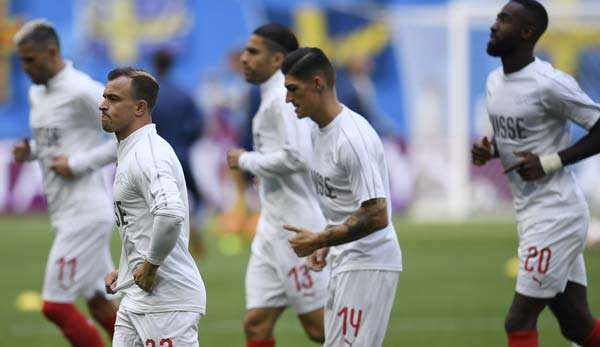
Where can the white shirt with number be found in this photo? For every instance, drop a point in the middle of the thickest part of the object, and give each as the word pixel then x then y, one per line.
pixel 530 110
pixel 281 148
pixel 349 168
pixel 65 120
pixel 149 181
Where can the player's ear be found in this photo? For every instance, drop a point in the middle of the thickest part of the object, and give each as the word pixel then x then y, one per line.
pixel 141 107
pixel 319 83
pixel 528 32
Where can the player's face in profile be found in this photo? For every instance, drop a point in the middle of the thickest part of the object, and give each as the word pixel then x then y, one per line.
pixel 301 94
pixel 118 107
pixel 258 61
pixel 505 33
pixel 35 62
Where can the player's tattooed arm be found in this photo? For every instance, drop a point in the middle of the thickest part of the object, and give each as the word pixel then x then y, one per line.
pixel 370 217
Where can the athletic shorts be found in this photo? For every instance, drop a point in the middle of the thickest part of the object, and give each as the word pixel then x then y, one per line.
pixel 78 262
pixel 276 277
pixel 161 329
pixel 550 254
pixel 358 307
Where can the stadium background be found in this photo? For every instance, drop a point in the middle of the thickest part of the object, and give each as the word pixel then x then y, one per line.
pixel 419 67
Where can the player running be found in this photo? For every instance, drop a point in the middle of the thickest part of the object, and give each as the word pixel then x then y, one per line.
pixel 164 295
pixel 350 175
pixel 530 105
pixel 67 142
pixel 276 277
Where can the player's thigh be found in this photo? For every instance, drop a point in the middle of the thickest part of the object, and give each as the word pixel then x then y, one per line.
pixel 125 334
pixel 77 260
pixel 263 285
pixel 305 290
pixel 549 255
pixel 358 307
pixel 167 329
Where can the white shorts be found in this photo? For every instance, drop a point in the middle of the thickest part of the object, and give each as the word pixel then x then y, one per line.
pixel 550 254
pixel 358 307
pixel 276 277
pixel 161 329
pixel 78 261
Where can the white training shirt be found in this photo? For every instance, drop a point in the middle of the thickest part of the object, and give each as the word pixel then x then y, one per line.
pixel 530 111
pixel 149 181
pixel 349 168
pixel 65 120
pixel 281 148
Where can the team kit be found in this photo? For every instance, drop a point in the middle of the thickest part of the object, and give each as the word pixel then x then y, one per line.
pixel 325 245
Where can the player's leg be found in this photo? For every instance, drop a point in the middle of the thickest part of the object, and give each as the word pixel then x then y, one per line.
pixel 259 324
pixel 521 321
pixel 125 333
pixel 573 314
pixel 313 325
pixel 104 311
pixel 62 283
pixel 265 292
pixel 359 307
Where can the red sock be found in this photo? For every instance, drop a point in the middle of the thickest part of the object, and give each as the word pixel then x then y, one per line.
pixel 593 339
pixel 77 329
pixel 523 339
pixel 261 343
pixel 109 325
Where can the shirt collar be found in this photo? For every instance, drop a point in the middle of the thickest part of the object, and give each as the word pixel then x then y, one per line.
pixel 273 83
pixel 334 122
pixel 136 135
pixel 61 75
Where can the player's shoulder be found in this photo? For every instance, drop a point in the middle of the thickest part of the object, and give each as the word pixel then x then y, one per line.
pixel 551 79
pixel 494 77
pixel 356 126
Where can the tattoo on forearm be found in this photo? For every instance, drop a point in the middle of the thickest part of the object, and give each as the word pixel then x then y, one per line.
pixel 370 217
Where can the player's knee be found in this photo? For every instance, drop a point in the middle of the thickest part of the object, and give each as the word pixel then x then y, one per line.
pixel 518 322
pixel 315 333
pixel 57 312
pixel 572 332
pixel 256 326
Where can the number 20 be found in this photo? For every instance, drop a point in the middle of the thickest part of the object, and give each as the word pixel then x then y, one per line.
pixel 543 256
pixel 162 343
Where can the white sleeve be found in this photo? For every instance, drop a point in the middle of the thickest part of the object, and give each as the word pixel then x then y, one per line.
pixel 360 157
pixel 158 184
pixel 104 154
pixel 291 157
pixel 165 232
pixel 563 97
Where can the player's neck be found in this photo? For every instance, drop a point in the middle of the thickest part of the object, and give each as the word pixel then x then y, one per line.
pixel 57 67
pixel 517 61
pixel 331 109
pixel 122 135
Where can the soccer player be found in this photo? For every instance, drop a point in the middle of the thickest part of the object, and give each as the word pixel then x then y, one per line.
pixel 164 295
pixel 530 105
pixel 350 175
pixel 67 142
pixel 276 277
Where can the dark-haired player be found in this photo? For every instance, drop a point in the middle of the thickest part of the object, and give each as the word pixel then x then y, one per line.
pixel 68 143
pixel 276 277
pixel 350 175
pixel 164 296
pixel 530 105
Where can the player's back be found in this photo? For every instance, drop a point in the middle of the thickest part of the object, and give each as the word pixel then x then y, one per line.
pixel 65 120
pixel 348 168
pixel 530 111
pixel 149 181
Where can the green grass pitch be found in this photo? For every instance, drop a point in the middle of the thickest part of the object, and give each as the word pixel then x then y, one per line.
pixel 453 292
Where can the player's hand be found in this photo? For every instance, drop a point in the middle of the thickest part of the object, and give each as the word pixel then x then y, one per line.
pixel 305 242
pixel 318 259
pixel 233 158
pixel 481 152
pixel 110 281
pixel 21 151
pixel 528 166
pixel 60 165
pixel 145 276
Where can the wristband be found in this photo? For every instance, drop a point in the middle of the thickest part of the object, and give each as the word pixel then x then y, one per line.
pixel 551 163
